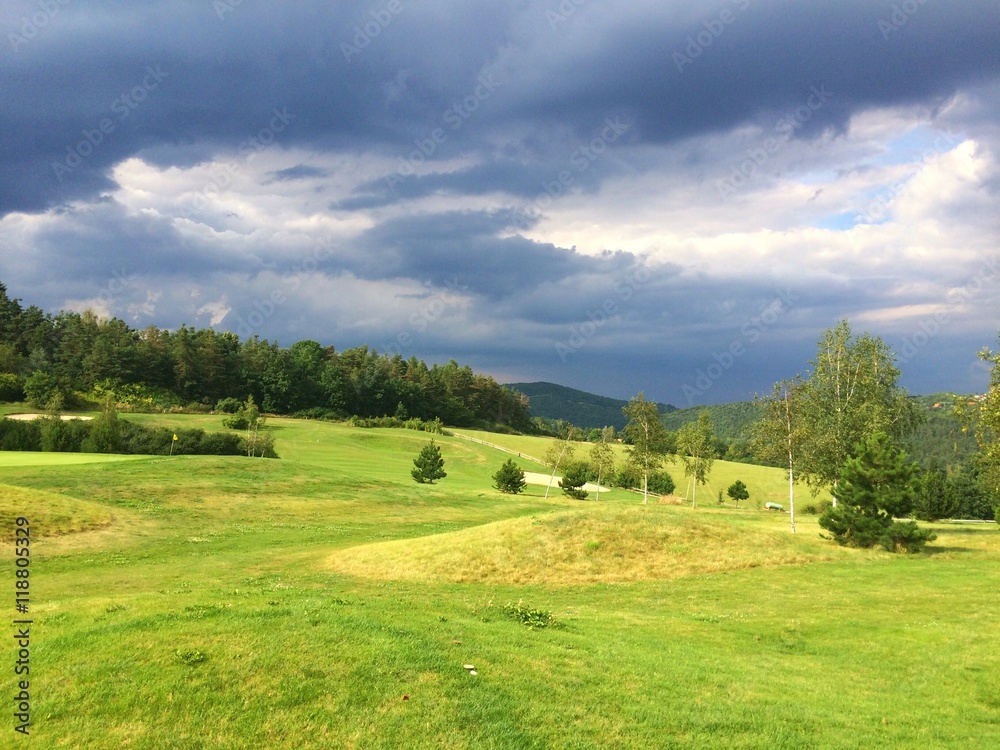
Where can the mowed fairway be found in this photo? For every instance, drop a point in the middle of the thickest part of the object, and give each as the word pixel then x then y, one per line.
pixel 325 600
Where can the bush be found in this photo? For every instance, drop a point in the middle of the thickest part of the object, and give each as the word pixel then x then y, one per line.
pixel 40 388
pixel 144 441
pixel 224 444
pixel 815 509
pixel 906 536
pixel 16 435
pixel 318 412
pixel 661 483
pixel 59 436
pixel 105 434
pixel 629 477
pixel 11 387
pixel 237 421
pixel 228 406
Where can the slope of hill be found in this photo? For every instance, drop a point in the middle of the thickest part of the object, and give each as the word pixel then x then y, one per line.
pixel 939 439
pixel 587 410
pixel 730 421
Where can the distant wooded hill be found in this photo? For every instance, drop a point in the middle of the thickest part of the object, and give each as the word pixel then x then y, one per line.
pixel 586 410
pixel 938 440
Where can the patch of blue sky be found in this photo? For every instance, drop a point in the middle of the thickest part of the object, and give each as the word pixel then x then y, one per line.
pixel 917 145
pixel 842 222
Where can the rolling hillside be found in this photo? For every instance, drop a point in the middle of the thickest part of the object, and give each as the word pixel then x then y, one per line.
pixel 587 410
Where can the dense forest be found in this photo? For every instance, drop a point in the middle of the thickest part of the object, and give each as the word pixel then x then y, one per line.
pixel 72 357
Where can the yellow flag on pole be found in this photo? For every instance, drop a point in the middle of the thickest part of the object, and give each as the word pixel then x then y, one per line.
pixel 175 436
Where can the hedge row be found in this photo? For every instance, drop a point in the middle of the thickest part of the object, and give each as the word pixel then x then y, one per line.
pixel 78 436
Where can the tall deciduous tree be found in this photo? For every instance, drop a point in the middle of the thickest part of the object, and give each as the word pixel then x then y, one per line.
pixel 988 432
pixel 602 457
pixel 560 454
pixel 696 446
pixel 851 393
pixel 779 434
pixel 647 437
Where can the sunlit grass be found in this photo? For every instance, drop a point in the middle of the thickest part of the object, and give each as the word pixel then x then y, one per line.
pixel 226 602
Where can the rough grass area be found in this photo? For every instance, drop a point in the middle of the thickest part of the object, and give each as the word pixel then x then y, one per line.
pixel 51 515
pixel 598 545
pixel 210 612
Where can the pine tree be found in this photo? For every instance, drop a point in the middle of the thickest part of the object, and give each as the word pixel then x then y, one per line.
pixel 573 480
pixel 875 488
pixel 428 465
pixel 509 478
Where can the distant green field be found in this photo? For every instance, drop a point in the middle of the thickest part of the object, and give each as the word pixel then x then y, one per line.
pixel 765 484
pixel 325 600
pixel 17 459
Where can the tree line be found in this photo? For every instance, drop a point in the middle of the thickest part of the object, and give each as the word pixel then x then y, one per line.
pixel 841 429
pixel 71 357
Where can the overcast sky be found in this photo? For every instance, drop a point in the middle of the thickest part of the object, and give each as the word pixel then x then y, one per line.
pixel 672 197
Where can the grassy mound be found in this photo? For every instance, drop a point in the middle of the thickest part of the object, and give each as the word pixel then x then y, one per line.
pixel 50 514
pixel 598 545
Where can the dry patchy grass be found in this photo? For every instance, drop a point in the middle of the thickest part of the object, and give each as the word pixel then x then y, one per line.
pixel 51 514
pixel 596 545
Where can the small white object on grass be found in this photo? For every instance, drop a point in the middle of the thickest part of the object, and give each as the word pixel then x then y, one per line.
pixel 468 666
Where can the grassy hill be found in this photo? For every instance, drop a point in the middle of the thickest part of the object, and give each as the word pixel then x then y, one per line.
pixel 580 408
pixel 326 600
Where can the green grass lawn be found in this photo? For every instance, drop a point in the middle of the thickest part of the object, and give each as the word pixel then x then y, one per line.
pixel 325 600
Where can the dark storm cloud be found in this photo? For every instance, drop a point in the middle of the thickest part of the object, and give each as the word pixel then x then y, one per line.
pixel 467 248
pixel 356 77
pixel 92 243
pixel 298 172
